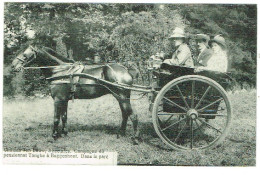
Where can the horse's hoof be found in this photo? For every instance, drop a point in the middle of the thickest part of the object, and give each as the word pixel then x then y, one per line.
pixel 64 135
pixel 122 134
pixel 64 132
pixel 139 139
pixel 55 136
pixel 135 141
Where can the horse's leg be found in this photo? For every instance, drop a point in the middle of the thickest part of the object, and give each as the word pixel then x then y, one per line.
pixel 64 119
pixel 134 119
pixel 127 111
pixel 124 120
pixel 60 108
pixel 56 120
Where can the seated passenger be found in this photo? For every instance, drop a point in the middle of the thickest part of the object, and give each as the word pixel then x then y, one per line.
pixel 204 52
pixel 218 61
pixel 182 54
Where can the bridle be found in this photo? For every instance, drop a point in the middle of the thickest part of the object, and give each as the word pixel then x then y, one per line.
pixel 24 63
pixel 35 52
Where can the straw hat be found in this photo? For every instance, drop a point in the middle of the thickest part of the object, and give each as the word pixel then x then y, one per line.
pixel 177 33
pixel 219 40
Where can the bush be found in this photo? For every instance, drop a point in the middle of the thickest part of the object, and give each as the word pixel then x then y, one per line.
pixel 121 32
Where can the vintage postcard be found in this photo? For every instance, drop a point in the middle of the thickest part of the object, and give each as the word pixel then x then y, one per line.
pixel 129 84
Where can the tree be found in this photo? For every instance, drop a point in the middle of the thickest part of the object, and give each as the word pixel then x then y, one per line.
pixel 127 31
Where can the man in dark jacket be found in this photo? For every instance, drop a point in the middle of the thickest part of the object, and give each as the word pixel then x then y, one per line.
pixel 204 52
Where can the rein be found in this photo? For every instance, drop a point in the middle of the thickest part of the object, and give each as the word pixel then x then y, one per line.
pixel 141 95
pixel 20 59
pixel 42 67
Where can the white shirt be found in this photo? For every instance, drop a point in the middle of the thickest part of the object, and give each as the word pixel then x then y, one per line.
pixel 201 51
pixel 218 62
pixel 182 57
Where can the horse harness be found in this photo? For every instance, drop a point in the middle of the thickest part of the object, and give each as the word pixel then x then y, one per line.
pixel 74 80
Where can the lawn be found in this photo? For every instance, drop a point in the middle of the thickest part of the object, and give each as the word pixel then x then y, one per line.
pixel 93 124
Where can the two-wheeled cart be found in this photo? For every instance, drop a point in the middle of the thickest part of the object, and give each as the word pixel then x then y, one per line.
pixel 191 110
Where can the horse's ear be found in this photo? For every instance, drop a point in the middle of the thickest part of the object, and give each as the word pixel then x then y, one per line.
pixel 33 47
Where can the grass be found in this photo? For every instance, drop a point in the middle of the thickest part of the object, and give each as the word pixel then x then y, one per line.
pixel 93 124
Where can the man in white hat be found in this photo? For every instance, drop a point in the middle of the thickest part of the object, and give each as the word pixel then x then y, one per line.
pixel 182 54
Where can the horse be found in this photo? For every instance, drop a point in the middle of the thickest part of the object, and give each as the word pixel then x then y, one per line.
pixel 51 65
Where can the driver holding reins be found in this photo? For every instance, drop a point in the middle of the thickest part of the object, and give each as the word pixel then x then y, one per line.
pixel 182 55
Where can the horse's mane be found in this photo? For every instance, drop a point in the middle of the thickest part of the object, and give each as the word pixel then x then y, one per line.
pixel 47 49
pixel 59 56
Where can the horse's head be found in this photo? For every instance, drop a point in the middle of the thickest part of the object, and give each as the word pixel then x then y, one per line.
pixel 25 58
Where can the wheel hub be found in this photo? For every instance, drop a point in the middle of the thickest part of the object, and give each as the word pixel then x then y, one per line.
pixel 192 114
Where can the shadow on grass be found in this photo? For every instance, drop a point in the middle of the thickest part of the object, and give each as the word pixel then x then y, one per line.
pixel 147 132
pixel 149 136
pixel 108 129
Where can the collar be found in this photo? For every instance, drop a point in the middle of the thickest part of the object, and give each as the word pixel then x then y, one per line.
pixel 203 50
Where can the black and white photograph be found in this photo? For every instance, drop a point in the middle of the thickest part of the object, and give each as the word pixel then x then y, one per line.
pixel 106 83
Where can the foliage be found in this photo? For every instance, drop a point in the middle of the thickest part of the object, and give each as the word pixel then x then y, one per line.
pixel 127 31
pixel 145 33
pixel 237 23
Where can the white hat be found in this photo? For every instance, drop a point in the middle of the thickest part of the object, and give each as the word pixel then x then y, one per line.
pixel 219 40
pixel 178 33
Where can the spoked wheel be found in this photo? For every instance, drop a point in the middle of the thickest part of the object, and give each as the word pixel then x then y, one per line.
pixel 192 112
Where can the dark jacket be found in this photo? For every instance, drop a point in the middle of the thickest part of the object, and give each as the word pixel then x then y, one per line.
pixel 204 57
